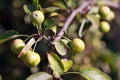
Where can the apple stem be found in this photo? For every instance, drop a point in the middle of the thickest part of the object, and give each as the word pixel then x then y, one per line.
pixel 40 38
pixel 39 29
pixel 28 37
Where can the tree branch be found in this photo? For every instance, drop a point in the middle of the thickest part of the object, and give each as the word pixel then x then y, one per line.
pixel 112 4
pixel 70 18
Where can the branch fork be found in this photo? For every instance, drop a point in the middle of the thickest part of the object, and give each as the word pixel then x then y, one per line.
pixel 80 10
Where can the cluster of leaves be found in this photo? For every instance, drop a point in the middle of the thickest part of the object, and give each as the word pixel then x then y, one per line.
pixel 58 48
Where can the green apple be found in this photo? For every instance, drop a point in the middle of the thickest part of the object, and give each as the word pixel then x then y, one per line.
pixel 37 17
pixel 31 58
pixel 77 45
pixel 17 45
pixel 104 26
pixel 110 16
pixel 98 16
pixel 104 11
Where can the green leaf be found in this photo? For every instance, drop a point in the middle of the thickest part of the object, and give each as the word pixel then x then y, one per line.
pixel 60 48
pixel 54 29
pixel 59 4
pixel 51 9
pixel 65 42
pixel 55 64
pixel 49 23
pixel 8 35
pixel 27 10
pixel 71 3
pixel 40 76
pixel 36 5
pixel 36 2
pixel 94 20
pixel 94 10
pixel 94 74
pixel 66 64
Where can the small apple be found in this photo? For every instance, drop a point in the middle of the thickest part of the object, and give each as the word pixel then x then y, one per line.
pixel 37 17
pixel 104 11
pixel 104 26
pixel 77 45
pixel 31 58
pixel 98 16
pixel 17 45
pixel 110 16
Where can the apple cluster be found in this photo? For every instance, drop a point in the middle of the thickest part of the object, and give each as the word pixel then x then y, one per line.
pixel 30 58
pixel 77 45
pixel 106 15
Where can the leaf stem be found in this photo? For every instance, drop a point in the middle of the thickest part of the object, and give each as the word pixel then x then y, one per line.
pixel 36 43
pixel 71 73
pixel 19 35
pixel 66 38
pixel 39 29
pixel 30 37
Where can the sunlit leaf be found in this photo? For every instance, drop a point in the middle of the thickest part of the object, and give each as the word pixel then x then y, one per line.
pixel 65 42
pixel 51 9
pixel 66 64
pixel 71 3
pixel 26 9
pixel 93 19
pixel 27 47
pixel 94 10
pixel 55 64
pixel 59 4
pixel 60 48
pixel 94 74
pixel 8 35
pixel 36 2
pixel 29 8
pixel 37 5
pixel 40 76
pixel 54 29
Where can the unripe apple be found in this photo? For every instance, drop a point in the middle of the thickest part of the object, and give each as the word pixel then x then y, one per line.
pixel 77 45
pixel 110 16
pixel 104 26
pixel 104 11
pixel 37 17
pixel 98 16
pixel 17 45
pixel 31 58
